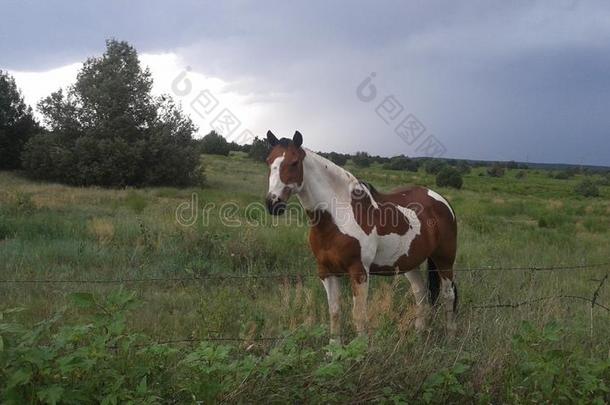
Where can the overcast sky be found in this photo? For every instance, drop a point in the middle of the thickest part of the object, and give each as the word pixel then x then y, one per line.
pixel 494 80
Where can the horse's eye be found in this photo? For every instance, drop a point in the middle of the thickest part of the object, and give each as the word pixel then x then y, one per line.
pixel 294 164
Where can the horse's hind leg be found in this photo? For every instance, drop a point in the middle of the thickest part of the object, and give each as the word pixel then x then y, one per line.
pixel 420 292
pixel 448 290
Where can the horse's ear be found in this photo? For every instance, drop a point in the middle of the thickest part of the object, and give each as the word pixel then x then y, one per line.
pixel 272 139
pixel 297 139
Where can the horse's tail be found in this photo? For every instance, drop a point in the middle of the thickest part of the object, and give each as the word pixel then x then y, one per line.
pixel 434 282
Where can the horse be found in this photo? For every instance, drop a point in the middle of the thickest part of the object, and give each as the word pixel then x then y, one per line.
pixel 357 231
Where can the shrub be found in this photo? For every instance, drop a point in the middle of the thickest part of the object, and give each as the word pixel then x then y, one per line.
pixel 587 188
pixel 433 166
pixel 521 174
pixel 496 171
pixel 544 372
pixel 449 177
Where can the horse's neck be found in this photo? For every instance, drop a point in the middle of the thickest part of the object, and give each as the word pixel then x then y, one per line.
pixel 325 185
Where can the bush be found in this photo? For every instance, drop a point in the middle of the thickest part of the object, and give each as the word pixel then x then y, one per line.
pixel 496 171
pixel 587 188
pixel 108 130
pixel 449 177
pixel 521 174
pixel 433 166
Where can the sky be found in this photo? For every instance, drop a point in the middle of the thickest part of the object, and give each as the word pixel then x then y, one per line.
pixel 492 80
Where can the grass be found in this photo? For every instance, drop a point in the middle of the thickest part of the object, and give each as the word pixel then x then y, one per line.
pixel 51 231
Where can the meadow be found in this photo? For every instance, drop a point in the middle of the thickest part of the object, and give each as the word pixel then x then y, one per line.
pixel 65 342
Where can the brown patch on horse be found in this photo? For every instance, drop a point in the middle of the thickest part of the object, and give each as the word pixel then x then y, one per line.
pixel 291 169
pixel 386 218
pixel 336 253
pixel 437 228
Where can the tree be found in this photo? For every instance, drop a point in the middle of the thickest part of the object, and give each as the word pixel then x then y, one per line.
pixel 362 159
pixel 17 123
pixel 259 149
pixel 449 177
pixel 401 163
pixel 108 129
pixel 214 144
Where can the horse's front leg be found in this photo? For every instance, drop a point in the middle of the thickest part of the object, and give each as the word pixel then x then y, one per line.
pixel 359 278
pixel 331 285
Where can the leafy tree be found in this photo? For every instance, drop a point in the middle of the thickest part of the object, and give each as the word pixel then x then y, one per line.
pixel 337 158
pixel 108 129
pixel 214 144
pixel 362 159
pixel 17 123
pixel 259 149
pixel 401 163
pixel 449 177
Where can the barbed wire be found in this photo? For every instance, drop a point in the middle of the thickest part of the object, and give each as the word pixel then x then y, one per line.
pixel 294 276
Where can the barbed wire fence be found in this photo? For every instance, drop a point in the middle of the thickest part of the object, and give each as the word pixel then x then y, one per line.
pixel 299 277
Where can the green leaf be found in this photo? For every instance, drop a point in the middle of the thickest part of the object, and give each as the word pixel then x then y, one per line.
pixel 51 395
pixel 19 377
pixel 82 299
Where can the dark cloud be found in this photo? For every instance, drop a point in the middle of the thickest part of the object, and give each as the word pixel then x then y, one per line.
pixel 490 79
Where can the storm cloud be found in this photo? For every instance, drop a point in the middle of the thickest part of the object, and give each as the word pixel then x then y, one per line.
pixel 523 80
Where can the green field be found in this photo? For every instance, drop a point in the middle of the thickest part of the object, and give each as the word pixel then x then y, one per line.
pixel 555 349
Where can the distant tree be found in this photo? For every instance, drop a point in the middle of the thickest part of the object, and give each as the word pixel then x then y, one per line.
pixel 587 188
pixel 496 170
pixel 433 166
pixel 109 130
pixel 401 163
pixel 337 158
pixel 463 167
pixel 362 159
pixel 214 144
pixel 259 149
pixel 449 177
pixel 17 123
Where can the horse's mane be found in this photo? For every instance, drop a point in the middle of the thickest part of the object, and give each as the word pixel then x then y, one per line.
pixel 371 188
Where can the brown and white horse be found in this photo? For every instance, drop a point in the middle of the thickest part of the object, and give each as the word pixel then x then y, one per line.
pixel 358 231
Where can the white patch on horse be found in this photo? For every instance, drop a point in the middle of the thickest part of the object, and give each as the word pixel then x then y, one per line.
pixel 276 186
pixel 324 188
pixel 393 246
pixel 440 198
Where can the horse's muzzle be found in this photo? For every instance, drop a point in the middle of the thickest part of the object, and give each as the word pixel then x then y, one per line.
pixel 275 206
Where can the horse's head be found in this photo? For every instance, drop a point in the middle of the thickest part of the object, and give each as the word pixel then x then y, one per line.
pixel 285 170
